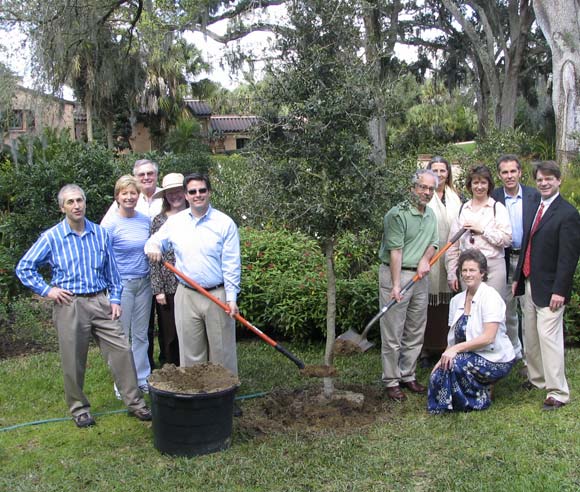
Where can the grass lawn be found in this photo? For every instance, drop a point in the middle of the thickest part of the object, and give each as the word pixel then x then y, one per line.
pixel 514 446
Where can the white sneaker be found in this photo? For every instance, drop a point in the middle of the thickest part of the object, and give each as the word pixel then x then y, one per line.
pixel 144 389
pixel 117 394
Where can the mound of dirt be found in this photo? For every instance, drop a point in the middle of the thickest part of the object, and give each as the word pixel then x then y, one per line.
pixel 314 371
pixel 346 347
pixel 308 411
pixel 199 378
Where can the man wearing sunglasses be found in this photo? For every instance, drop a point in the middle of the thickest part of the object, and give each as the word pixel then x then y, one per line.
pixel 207 250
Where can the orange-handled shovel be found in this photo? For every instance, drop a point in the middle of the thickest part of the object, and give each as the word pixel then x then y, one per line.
pixel 238 317
pixel 360 339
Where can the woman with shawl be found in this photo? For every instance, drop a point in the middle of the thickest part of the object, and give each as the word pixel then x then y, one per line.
pixel 446 204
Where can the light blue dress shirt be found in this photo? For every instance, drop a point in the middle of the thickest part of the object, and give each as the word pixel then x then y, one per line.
pixel 514 205
pixel 206 249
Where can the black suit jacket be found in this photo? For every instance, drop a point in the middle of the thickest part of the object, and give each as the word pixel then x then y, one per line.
pixel 530 203
pixel 554 255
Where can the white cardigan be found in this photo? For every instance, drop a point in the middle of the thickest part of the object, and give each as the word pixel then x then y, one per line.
pixel 487 306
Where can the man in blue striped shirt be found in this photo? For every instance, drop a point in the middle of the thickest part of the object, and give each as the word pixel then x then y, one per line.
pixel 83 270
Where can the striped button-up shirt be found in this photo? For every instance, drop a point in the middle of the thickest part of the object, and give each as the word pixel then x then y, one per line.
pixel 80 264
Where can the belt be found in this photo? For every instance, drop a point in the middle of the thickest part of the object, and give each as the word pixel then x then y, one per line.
pixel 90 294
pixel 408 269
pixel 209 289
pixel 515 252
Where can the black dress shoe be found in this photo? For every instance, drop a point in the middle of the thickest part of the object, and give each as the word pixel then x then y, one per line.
pixel 395 393
pixel 414 386
pixel 237 411
pixel 84 420
pixel 527 385
pixel 552 404
pixel 143 414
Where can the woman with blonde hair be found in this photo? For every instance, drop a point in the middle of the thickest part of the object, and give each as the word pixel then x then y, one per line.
pixel 128 231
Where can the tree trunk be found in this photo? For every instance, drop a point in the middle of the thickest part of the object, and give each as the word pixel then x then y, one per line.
pixel 559 21
pixel 379 46
pixel 89 112
pixel 520 22
pixel 109 132
pixel 330 313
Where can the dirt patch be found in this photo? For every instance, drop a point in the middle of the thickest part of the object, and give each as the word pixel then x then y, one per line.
pixel 313 371
pixel 199 378
pixel 307 411
pixel 346 347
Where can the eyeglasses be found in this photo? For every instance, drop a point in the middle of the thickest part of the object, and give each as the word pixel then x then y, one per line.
pixel 150 173
pixel 195 191
pixel 423 187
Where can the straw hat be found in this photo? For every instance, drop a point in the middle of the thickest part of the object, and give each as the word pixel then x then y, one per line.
pixel 170 182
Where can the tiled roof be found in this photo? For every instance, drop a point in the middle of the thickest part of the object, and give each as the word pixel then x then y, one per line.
pixel 198 108
pixel 231 124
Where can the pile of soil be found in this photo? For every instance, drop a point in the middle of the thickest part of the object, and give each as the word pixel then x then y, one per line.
pixel 308 411
pixel 346 347
pixel 199 378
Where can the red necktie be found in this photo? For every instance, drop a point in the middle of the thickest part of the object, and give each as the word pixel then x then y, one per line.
pixel 526 267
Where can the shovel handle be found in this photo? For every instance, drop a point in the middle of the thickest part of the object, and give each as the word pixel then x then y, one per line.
pixel 410 283
pixel 238 316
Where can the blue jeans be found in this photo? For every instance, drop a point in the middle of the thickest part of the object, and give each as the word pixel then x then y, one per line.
pixel 135 310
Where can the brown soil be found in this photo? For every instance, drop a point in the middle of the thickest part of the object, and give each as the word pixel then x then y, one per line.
pixel 346 347
pixel 313 371
pixel 199 378
pixel 307 411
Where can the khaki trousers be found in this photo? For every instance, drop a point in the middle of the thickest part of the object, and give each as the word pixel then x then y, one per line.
pixel 544 343
pixel 402 327
pixel 205 331
pixel 75 323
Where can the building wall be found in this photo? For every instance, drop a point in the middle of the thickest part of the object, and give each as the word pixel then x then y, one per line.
pixel 140 138
pixel 35 112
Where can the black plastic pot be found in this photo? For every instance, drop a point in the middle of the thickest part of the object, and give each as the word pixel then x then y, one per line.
pixel 192 425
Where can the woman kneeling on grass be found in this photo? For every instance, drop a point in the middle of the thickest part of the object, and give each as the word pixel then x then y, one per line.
pixel 479 351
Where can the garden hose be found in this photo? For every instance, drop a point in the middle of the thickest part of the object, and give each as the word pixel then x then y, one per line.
pixel 111 412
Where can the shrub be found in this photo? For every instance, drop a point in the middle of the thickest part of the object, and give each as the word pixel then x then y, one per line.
pixel 284 284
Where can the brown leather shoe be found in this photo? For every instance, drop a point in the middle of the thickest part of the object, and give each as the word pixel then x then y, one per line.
pixel 552 404
pixel 395 393
pixel 414 386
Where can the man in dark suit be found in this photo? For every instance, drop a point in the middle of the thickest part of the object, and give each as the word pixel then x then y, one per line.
pixel 521 203
pixel 544 275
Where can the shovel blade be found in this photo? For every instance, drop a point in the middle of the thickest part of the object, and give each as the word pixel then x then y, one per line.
pixel 355 338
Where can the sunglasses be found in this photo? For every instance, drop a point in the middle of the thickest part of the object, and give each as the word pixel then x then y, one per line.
pixel 195 191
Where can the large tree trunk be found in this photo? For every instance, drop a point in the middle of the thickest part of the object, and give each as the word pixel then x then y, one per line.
pixel 560 23
pixel 379 47
pixel 499 107
pixel 330 313
pixel 109 132
pixel 520 19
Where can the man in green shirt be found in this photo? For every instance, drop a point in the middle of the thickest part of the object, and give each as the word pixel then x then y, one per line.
pixel 410 239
